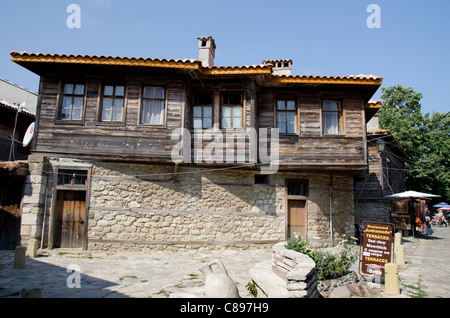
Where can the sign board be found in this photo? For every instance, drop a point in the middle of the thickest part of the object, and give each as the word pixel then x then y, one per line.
pixel 28 135
pixel 376 247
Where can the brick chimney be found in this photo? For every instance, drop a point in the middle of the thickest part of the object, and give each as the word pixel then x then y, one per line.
pixel 207 50
pixel 279 67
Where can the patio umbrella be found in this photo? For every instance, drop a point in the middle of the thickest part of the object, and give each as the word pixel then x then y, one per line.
pixel 441 205
pixel 412 194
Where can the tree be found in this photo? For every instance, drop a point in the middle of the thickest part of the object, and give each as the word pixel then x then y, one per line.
pixel 425 138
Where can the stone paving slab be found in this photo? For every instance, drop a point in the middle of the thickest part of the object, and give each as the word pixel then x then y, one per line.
pixel 158 274
pixel 123 274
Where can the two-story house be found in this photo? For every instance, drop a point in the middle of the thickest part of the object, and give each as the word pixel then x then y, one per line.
pixel 138 153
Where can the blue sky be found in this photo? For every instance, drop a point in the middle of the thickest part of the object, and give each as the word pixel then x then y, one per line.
pixel 322 37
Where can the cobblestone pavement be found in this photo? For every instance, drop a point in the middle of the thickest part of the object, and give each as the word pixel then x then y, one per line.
pixel 152 274
pixel 158 274
pixel 427 271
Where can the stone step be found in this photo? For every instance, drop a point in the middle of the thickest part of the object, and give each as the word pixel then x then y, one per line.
pixel 272 285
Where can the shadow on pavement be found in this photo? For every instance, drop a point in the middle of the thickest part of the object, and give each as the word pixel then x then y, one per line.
pixel 53 281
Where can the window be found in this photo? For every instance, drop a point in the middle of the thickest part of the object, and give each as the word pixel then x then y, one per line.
pixel 202 111
pixel 297 187
pixel 232 110
pixel 113 103
pixel 330 117
pixel 72 177
pixel 73 102
pixel 153 104
pixel 261 179
pixel 286 114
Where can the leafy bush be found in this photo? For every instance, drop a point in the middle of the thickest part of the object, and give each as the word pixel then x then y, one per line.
pixel 328 265
pixel 300 246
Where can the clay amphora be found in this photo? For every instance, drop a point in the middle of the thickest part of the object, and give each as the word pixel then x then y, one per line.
pixel 217 283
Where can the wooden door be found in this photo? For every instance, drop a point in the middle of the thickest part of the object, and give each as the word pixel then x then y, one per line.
pixel 70 219
pixel 297 218
pixel 10 196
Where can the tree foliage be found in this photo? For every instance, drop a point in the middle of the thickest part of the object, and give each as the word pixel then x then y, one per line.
pixel 425 137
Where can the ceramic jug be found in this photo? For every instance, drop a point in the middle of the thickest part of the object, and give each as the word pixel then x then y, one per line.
pixel 218 284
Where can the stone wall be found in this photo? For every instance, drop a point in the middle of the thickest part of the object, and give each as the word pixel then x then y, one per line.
pixel 138 206
pixel 298 269
pixel 372 210
pixel 33 201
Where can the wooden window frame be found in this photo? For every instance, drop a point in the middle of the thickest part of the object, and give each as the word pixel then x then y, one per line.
pixel 166 98
pixel 222 105
pixel 286 111
pixel 102 97
pixel 340 119
pixel 194 104
pixel 62 95
pixel 305 183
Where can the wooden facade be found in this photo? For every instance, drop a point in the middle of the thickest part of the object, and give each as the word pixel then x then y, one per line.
pixel 305 146
pixel 385 176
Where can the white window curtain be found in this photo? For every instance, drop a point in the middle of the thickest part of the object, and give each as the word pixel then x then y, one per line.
pixel 330 117
pixel 153 106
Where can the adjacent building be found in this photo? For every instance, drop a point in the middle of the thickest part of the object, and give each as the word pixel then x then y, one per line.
pixel 142 153
pixel 385 176
pixel 17 112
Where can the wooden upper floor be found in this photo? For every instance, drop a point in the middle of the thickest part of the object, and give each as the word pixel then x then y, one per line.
pixel 115 108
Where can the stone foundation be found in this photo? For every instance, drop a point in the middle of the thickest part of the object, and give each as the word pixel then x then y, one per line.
pixel 139 206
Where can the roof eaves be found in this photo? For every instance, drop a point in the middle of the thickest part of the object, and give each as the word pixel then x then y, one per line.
pixel 14 107
pixel 236 70
pixel 25 57
pixel 321 79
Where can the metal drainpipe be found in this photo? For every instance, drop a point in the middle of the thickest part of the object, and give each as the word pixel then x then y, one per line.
pixel 330 192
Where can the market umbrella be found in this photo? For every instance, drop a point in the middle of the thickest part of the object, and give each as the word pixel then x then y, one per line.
pixel 412 194
pixel 444 209
pixel 441 205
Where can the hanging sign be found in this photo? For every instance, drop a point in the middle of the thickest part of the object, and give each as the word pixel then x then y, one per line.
pixel 376 248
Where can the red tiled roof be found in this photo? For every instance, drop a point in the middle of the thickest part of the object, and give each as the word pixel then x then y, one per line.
pixel 26 58
pixel 356 77
pixel 101 57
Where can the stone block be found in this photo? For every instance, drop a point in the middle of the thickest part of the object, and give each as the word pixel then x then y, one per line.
pixel 400 254
pixel 32 248
pixel 340 292
pixel 19 257
pixel 391 279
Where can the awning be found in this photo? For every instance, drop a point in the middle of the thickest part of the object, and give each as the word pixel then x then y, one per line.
pixel 412 194
pixel 441 205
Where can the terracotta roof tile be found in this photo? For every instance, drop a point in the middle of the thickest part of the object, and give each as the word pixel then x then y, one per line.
pixel 356 77
pixel 49 55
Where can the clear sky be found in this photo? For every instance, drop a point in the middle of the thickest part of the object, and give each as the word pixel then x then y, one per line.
pixel 322 37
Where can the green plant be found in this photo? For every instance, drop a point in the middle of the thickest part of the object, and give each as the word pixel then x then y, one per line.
pixel 328 265
pixel 251 287
pixel 128 276
pixel 416 291
pixel 300 246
